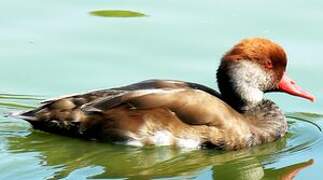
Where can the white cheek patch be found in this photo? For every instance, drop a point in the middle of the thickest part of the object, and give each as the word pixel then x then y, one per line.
pixel 253 95
pixel 248 77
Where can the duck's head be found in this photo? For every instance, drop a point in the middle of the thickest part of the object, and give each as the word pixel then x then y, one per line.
pixel 251 68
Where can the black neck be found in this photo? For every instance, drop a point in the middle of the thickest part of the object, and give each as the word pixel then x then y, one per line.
pixel 229 94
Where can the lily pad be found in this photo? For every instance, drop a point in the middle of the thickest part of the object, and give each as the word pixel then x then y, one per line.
pixel 117 13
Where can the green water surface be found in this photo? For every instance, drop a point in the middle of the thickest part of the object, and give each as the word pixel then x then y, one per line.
pixel 55 47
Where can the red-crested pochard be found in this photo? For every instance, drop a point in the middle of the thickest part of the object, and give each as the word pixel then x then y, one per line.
pixel 184 114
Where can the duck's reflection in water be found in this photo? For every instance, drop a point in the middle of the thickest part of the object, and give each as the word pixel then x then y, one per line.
pixel 118 161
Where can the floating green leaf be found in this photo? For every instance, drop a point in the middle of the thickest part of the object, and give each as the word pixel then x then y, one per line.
pixel 117 13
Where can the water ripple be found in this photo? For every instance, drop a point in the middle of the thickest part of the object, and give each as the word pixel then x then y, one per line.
pixel 59 157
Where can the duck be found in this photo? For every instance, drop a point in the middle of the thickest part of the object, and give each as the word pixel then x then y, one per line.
pixel 183 114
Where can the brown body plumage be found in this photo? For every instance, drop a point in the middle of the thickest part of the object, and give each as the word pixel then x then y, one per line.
pixel 179 113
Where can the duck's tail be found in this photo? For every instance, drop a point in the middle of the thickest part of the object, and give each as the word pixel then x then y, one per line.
pixel 25 115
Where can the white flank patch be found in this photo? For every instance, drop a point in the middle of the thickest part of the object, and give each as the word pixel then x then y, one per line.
pixel 165 138
pixel 188 143
pixel 135 143
pixel 162 138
